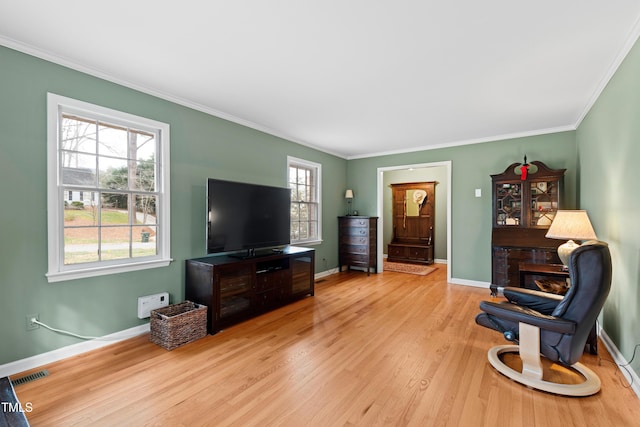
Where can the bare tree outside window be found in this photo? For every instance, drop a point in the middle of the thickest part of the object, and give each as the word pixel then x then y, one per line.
pixel 108 198
pixel 117 166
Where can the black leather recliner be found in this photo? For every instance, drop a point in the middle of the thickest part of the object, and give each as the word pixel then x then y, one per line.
pixel 556 327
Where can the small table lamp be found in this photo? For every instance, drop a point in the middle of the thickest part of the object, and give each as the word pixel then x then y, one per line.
pixel 569 225
pixel 349 196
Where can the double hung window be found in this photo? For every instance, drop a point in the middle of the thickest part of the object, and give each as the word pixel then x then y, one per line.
pixel 304 181
pixel 108 193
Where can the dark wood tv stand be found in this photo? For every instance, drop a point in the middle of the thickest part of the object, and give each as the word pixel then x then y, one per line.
pixel 237 289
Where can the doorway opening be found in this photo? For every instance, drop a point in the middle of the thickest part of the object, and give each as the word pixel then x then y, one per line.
pixel 384 211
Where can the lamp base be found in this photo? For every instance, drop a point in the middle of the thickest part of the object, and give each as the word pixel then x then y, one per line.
pixel 565 249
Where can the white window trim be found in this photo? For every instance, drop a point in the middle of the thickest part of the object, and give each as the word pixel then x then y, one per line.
pixel 57 271
pixel 296 161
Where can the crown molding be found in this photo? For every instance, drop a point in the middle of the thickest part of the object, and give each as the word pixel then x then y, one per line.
pixel 622 54
pixel 494 138
pixel 66 62
pixel 69 63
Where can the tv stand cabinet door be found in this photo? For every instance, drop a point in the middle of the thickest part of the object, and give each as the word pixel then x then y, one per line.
pixel 200 288
pixel 302 274
pixel 234 290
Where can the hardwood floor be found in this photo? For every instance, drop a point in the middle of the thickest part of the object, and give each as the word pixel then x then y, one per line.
pixel 388 349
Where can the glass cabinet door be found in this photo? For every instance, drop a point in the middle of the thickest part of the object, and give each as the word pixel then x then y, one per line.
pixel 301 275
pixel 544 203
pixel 235 291
pixel 508 209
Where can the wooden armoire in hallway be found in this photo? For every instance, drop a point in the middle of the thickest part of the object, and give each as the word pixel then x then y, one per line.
pixel 413 222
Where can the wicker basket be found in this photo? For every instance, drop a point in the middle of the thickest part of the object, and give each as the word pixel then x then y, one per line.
pixel 178 324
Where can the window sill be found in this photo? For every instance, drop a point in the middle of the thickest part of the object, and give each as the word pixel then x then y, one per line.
pixel 307 243
pixel 103 271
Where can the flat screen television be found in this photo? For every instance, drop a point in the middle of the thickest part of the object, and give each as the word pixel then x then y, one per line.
pixel 246 217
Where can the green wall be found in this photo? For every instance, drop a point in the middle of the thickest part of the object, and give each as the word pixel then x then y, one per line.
pixel 599 157
pixel 609 153
pixel 201 146
pixel 471 166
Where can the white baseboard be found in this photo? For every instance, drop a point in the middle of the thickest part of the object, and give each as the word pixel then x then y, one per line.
pixel 630 375
pixel 466 282
pixel 32 362
pixel 325 273
pixel 38 360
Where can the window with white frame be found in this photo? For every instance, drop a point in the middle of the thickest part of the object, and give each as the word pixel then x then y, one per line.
pixel 108 191
pixel 305 182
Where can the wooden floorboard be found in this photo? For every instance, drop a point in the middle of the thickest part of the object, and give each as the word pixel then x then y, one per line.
pixel 386 349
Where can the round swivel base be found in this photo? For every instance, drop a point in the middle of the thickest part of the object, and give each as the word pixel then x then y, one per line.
pixel 533 377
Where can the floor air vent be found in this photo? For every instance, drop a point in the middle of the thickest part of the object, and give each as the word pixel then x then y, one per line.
pixel 30 377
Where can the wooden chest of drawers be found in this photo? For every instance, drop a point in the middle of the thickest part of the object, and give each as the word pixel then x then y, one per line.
pixel 358 242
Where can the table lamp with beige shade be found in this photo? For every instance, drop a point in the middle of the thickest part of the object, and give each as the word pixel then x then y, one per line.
pixel 570 225
pixel 349 196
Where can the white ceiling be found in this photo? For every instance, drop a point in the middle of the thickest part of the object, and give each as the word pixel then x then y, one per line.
pixel 350 77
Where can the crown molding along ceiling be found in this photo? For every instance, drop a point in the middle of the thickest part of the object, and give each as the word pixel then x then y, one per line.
pixel 354 79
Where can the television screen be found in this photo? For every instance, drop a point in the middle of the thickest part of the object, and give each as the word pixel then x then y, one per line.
pixel 244 216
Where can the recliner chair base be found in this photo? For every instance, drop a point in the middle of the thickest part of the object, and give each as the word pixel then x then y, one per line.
pixel 531 374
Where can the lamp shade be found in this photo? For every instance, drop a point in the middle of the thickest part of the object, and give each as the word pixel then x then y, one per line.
pixel 348 194
pixel 571 225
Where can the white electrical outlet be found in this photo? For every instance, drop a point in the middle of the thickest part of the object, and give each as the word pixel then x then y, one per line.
pixel 151 302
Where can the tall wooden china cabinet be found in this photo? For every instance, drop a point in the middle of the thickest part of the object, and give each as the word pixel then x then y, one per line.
pixel 524 204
